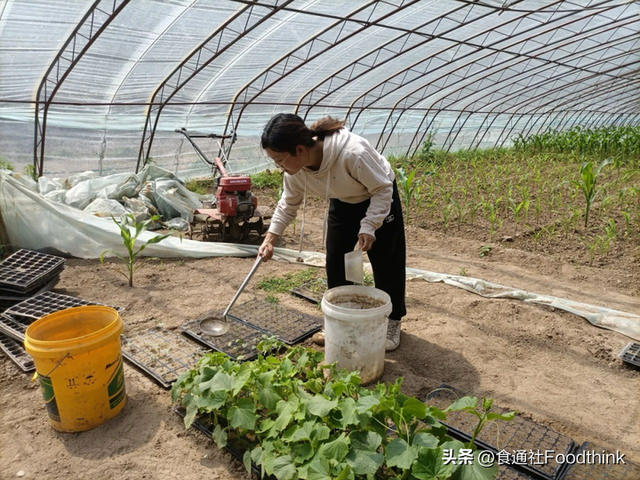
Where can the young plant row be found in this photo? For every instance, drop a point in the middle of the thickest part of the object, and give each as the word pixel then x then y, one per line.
pixel 621 142
pixel 509 192
pixel 296 418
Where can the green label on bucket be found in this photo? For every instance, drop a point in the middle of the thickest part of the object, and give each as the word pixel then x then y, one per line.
pixel 115 389
pixel 49 397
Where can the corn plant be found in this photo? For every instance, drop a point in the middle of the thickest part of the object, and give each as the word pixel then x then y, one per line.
pixel 132 262
pixel 588 184
pixel 627 222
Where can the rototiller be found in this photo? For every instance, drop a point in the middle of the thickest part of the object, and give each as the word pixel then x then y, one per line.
pixel 234 215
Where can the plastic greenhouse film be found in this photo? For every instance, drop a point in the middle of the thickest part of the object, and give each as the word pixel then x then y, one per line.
pixel 76 233
pixel 622 322
pixel 101 207
pixel 83 193
pixel 80 234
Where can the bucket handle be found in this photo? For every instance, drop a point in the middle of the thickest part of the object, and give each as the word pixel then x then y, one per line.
pixel 58 364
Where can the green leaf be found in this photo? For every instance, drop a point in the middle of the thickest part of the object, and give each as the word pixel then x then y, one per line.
pixel 220 381
pixel 314 385
pixel 336 449
pixel 414 407
pixel 320 433
pixel 319 469
pixel 299 433
pixel 366 403
pixel 364 462
pixel 367 441
pixel 424 439
pixel 400 454
pixel 507 417
pixel 214 401
pixel 269 397
pixel 284 469
pixel 320 406
pixel 463 403
pixel 348 410
pixel 475 471
pixel 243 375
pixel 192 411
pixel 289 405
pixel 280 424
pixel 345 474
pixel 219 436
pixel 265 425
pixel 302 452
pixel 243 415
pixel 256 455
pixel 430 465
pixel 363 456
pixel 246 460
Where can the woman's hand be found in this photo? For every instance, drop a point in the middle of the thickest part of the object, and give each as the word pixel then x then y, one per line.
pixel 365 241
pixel 266 249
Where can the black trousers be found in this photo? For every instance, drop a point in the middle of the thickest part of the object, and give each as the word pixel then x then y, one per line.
pixel 387 256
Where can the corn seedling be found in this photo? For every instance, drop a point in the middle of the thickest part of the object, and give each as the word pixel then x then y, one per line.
pixel 627 222
pixel 588 184
pixel 132 262
pixel 446 216
pixel 407 188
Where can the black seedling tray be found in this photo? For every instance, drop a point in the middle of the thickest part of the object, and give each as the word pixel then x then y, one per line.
pixel 160 354
pixel 519 434
pixel 287 324
pixel 240 340
pixel 16 352
pixel 207 430
pixel 601 470
pixel 631 354
pixel 26 269
pixel 312 290
pixel 8 299
pixel 15 320
pixel 46 303
pixel 507 473
pixel 13 328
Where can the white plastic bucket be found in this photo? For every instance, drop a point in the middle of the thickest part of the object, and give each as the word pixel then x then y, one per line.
pixel 355 329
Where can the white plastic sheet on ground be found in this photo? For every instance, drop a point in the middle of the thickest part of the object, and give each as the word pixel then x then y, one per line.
pixel 36 223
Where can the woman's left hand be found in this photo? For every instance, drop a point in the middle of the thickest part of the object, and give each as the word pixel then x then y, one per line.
pixel 365 241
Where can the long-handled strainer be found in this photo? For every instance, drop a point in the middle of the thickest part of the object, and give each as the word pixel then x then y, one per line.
pixel 219 325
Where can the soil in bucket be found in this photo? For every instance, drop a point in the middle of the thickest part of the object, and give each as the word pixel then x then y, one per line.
pixel 355 320
pixel 79 363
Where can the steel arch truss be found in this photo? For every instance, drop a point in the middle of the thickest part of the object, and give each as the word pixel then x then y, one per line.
pixel 89 28
pixel 318 44
pixel 238 26
pixel 490 77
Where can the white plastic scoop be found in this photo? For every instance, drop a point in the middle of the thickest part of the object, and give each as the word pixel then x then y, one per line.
pixel 353 267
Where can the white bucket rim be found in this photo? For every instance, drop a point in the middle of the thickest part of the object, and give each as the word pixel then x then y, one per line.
pixel 352 314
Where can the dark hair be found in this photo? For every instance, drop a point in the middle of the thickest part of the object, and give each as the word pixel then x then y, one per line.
pixel 285 131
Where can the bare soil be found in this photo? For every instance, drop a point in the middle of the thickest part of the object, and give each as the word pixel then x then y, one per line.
pixel 548 365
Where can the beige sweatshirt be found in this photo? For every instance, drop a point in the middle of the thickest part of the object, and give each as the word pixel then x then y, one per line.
pixel 351 171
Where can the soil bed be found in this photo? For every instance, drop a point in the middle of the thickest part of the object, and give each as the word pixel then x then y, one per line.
pixel 551 366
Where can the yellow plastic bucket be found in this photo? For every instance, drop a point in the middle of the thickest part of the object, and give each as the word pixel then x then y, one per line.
pixel 79 363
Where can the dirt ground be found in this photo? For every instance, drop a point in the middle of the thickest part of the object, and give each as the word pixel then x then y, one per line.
pixel 548 365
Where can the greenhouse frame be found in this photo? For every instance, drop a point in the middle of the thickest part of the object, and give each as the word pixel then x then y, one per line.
pixel 104 86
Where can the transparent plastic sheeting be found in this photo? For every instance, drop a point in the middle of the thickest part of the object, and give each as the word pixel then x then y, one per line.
pixel 472 73
pixel 36 223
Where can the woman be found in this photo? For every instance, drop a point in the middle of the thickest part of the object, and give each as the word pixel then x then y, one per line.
pixel 328 160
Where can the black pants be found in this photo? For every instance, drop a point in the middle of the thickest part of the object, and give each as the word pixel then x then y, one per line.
pixel 387 255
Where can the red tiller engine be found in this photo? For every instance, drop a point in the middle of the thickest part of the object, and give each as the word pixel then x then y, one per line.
pixel 235 215
pixel 234 197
